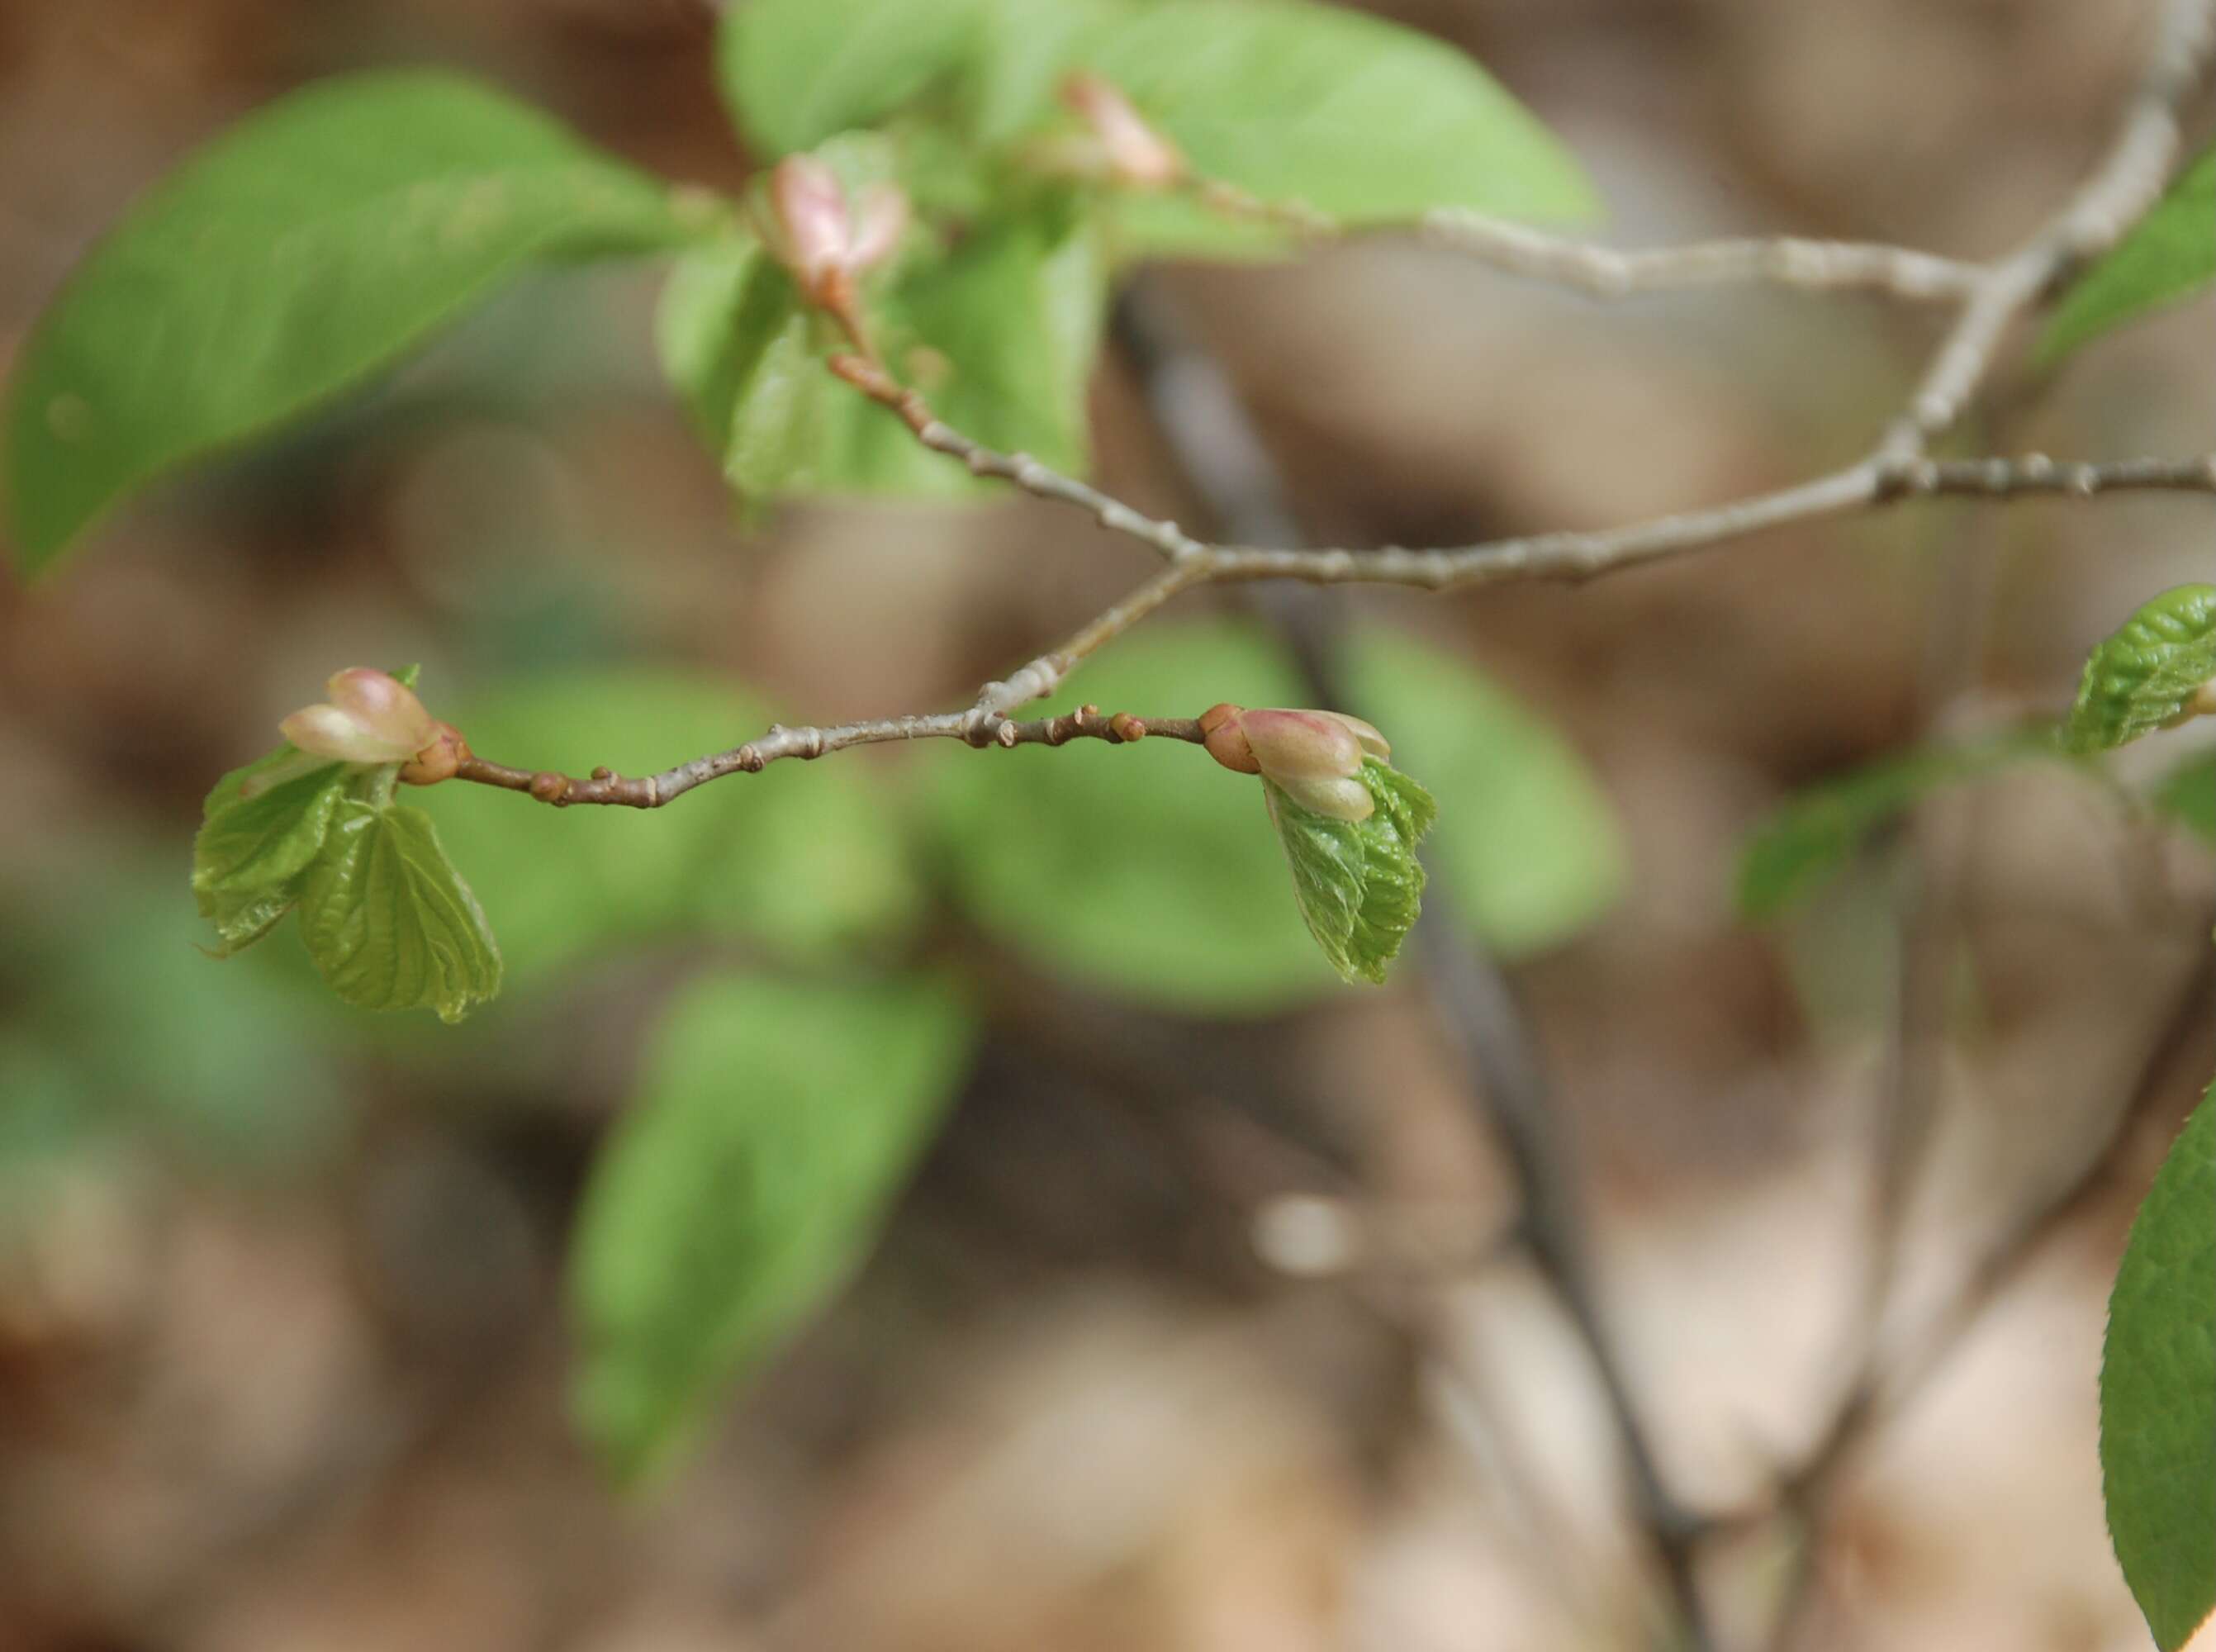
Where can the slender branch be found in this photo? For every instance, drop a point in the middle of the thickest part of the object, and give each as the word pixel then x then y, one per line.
pixel 653 790
pixel 1607 273
pixel 2121 188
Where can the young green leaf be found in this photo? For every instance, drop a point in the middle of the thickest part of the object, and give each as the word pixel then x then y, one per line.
pixel 774 1126
pixel 2169 255
pixel 1813 836
pixel 2146 675
pixel 1299 101
pixel 1358 883
pixel 252 853
pixel 2158 1392
pixel 388 920
pixel 306 246
pixel 1527 839
pixel 795 73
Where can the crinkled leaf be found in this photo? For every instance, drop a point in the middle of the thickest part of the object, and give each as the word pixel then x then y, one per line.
pixel 307 246
pixel 2189 795
pixel 1296 100
pixel 253 853
pixel 2145 675
pixel 1812 837
pixel 388 920
pixel 1358 883
pixel 774 1126
pixel 2158 1392
pixel 808 861
pixel 2169 255
pixel 1527 839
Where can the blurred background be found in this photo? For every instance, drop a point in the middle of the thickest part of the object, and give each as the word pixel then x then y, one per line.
pixel 1203 1324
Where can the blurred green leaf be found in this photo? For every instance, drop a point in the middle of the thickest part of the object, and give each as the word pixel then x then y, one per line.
pixel 252 853
pixel 1023 49
pixel 1526 836
pixel 1001 334
pixel 1358 883
pixel 2189 795
pixel 795 73
pixel 1356 117
pixel 306 246
pixel 1811 838
pixel 2145 675
pixel 806 861
pixel 1145 870
pixel 388 920
pixel 2169 255
pixel 2158 1392
pixel 115 1026
pixel 774 1126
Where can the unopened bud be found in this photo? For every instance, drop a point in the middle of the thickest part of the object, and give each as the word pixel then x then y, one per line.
pixel 1137 153
pixel 1314 758
pixel 878 228
pixel 811 218
pixel 371 718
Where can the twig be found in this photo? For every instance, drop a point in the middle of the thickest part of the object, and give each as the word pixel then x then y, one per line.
pixel 652 791
pixel 1533 255
pixel 2120 189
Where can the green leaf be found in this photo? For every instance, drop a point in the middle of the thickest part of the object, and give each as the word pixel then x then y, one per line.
pixel 1527 839
pixel 2158 1392
pixel 806 861
pixel 303 249
pixel 253 853
pixel 2189 795
pixel 2144 677
pixel 1813 837
pixel 1300 101
pixel 1358 883
pixel 389 922
pixel 2169 255
pixel 774 1126
pixel 1002 334
pixel 795 73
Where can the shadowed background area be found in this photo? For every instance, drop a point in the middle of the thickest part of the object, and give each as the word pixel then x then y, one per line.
pixel 1202 1325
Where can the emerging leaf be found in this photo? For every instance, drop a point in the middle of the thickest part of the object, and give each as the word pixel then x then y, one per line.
pixel 2169 255
pixel 301 250
pixel 2158 1392
pixel 2147 675
pixel 1358 882
pixel 389 922
pixel 774 1125
pixel 253 851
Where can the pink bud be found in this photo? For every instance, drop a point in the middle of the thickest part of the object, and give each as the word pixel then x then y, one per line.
pixel 1301 745
pixel 438 759
pixel 1137 153
pixel 811 212
pixel 372 719
pixel 884 219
